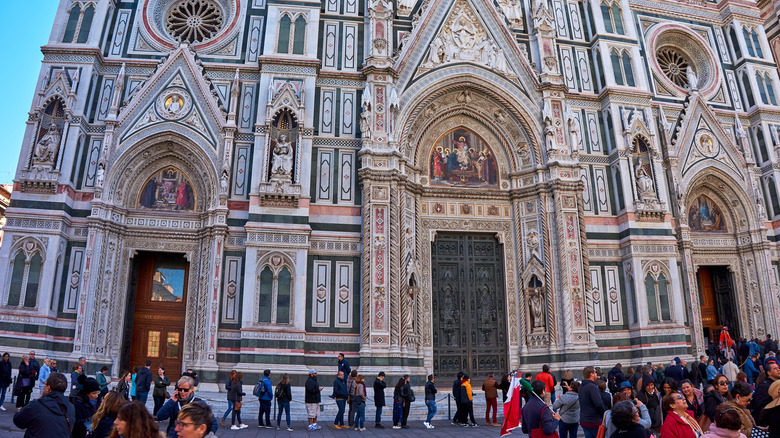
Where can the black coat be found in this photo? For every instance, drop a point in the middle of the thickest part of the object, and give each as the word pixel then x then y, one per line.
pixel 84 412
pixel 236 392
pixel 637 431
pixel 34 368
pixel 761 398
pixel 25 372
pixel 50 416
pixel 104 427
pixel 591 404
pixel 5 373
pixel 456 391
pixel 312 391
pixel 123 388
pixel 143 380
pixel 379 392
pixel 285 393
pixel 712 399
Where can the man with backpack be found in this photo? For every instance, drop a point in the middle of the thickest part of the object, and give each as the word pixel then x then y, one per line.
pixel 265 393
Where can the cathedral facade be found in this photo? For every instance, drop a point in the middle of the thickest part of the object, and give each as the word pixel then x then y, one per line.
pixel 427 186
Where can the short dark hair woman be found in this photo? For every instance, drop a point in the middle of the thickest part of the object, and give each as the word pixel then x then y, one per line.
pixel 625 418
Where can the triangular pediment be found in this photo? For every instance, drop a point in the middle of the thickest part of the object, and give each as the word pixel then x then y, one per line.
pixel 463 32
pixel 61 85
pixel 178 96
pixel 703 142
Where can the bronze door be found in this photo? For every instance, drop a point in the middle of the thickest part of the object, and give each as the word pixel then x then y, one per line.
pixel 469 319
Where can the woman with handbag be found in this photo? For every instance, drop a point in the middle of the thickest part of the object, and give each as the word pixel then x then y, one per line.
pixel 24 383
pixel 398 403
pixel 283 395
pixel 568 405
pixel 160 393
pixel 679 423
pixel 360 403
pixel 235 395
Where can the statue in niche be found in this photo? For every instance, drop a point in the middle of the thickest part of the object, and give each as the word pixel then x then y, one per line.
pixel 223 183
pixel 282 158
pixel 408 307
pixel 644 183
pixel 100 176
pixel 435 52
pixel 537 308
pixel 47 146
pixel 693 80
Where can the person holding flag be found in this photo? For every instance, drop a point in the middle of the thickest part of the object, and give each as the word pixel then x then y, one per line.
pixel 512 405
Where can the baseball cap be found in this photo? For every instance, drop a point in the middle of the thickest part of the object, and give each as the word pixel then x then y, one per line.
pixel 312 371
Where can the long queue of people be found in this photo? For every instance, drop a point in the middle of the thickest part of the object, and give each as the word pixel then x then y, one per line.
pixel 724 404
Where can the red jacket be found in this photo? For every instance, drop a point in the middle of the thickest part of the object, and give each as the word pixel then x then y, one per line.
pixel 547 378
pixel 676 427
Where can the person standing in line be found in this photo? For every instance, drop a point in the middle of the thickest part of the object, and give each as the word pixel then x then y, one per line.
pixel 283 394
pixel 717 396
pixel 730 370
pixel 344 365
pixel 741 395
pixel 53 366
pixel 340 395
pixel 103 382
pixel 351 397
pixel 235 395
pixel 506 383
pixel 430 401
pixel 568 405
pixel 161 383
pixel 489 386
pixel 75 386
pixel 457 420
pixel 547 378
pixel 379 398
pixel 625 420
pixel 24 383
pixel 266 395
pixel 143 382
pixel 35 368
pixel 5 377
pixel 51 415
pixel 360 403
pixel 44 372
pixel 229 409
pixel 591 406
pixel 398 403
pixel 123 387
pixel 537 415
pixel 762 397
pixel 467 401
pixel 313 399
pixel 408 397
pixel 133 376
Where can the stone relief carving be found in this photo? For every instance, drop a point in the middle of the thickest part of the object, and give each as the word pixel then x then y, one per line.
pixel 47 146
pixel 513 11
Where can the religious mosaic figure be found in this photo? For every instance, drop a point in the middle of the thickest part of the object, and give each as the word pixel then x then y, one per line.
pixel 282 157
pixel 168 189
pixel 705 215
pixel 461 158
pixel 47 146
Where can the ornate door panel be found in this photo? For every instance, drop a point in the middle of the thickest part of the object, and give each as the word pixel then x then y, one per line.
pixel 469 320
pixel 724 297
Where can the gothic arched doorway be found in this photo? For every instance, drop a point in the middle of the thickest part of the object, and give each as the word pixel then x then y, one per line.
pixel 468 305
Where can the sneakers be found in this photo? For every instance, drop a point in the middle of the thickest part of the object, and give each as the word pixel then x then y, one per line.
pixel 428 426
pixel 379 426
pixel 2 408
pixel 234 427
pixel 269 427
pixel 289 429
pixel 242 426
pixel 396 426
pixel 221 422
pixel 316 426
pixel 405 426
pixel 311 427
pixel 362 429
pixel 278 428
pixel 474 425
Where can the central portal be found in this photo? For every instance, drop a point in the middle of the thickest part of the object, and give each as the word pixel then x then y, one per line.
pixel 718 307
pixel 469 319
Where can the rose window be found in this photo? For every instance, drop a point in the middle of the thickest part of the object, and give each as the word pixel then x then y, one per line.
pixel 674 66
pixel 194 21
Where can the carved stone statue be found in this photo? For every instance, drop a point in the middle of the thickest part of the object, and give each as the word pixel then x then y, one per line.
pixel 644 184
pixel 282 157
pixel 435 52
pixel 513 10
pixel 537 308
pixel 408 307
pixel 47 146
pixel 693 80
pixel 100 176
pixel 549 137
pixel 365 122
pixel 223 183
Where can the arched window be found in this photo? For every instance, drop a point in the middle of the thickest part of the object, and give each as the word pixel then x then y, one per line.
pixel 756 44
pixel 275 295
pixel 761 88
pixel 762 144
pixel 284 34
pixel 612 16
pixel 606 17
pixel 25 278
pixel 657 291
pixel 616 68
pixel 770 90
pixel 86 24
pixel 618 17
pixel 748 43
pixel 749 100
pixel 770 182
pixel 621 68
pixel 735 43
pixel 627 70
pixel 73 21
pixel 299 37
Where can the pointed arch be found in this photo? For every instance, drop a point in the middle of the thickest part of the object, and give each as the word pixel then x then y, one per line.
pixel 24 273
pixel 274 294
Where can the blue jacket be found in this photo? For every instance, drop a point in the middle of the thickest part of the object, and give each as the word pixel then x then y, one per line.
pixel 711 372
pixel 754 348
pixel 750 370
pixel 269 390
pixel 591 404
pixel 339 389
pixel 344 366
pixel 536 414
pixel 143 380
pixel 171 410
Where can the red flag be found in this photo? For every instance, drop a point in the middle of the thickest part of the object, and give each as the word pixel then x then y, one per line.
pixel 512 409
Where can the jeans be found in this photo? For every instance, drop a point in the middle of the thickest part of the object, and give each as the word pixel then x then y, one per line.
pixel 283 406
pixel 158 402
pixel 378 417
pixel 431 409
pixel 406 408
pixel 360 415
pixel 590 432
pixel 341 403
pixel 141 396
pixel 229 409
pixel 235 419
pixel 568 430
pixel 491 403
pixel 265 408
pixel 2 395
pixel 552 396
pixel 398 408
pixel 351 413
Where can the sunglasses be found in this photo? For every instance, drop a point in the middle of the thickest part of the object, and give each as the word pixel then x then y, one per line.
pixel 184 389
pixel 723 383
pixel 680 397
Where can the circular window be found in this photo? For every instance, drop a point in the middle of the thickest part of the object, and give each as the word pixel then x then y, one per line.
pixel 674 65
pixel 194 21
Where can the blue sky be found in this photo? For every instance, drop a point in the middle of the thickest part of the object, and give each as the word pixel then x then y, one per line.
pixel 22 34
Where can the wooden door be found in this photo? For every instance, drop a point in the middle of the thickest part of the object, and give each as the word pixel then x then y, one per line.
pixel 160 310
pixel 709 313
pixel 469 320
